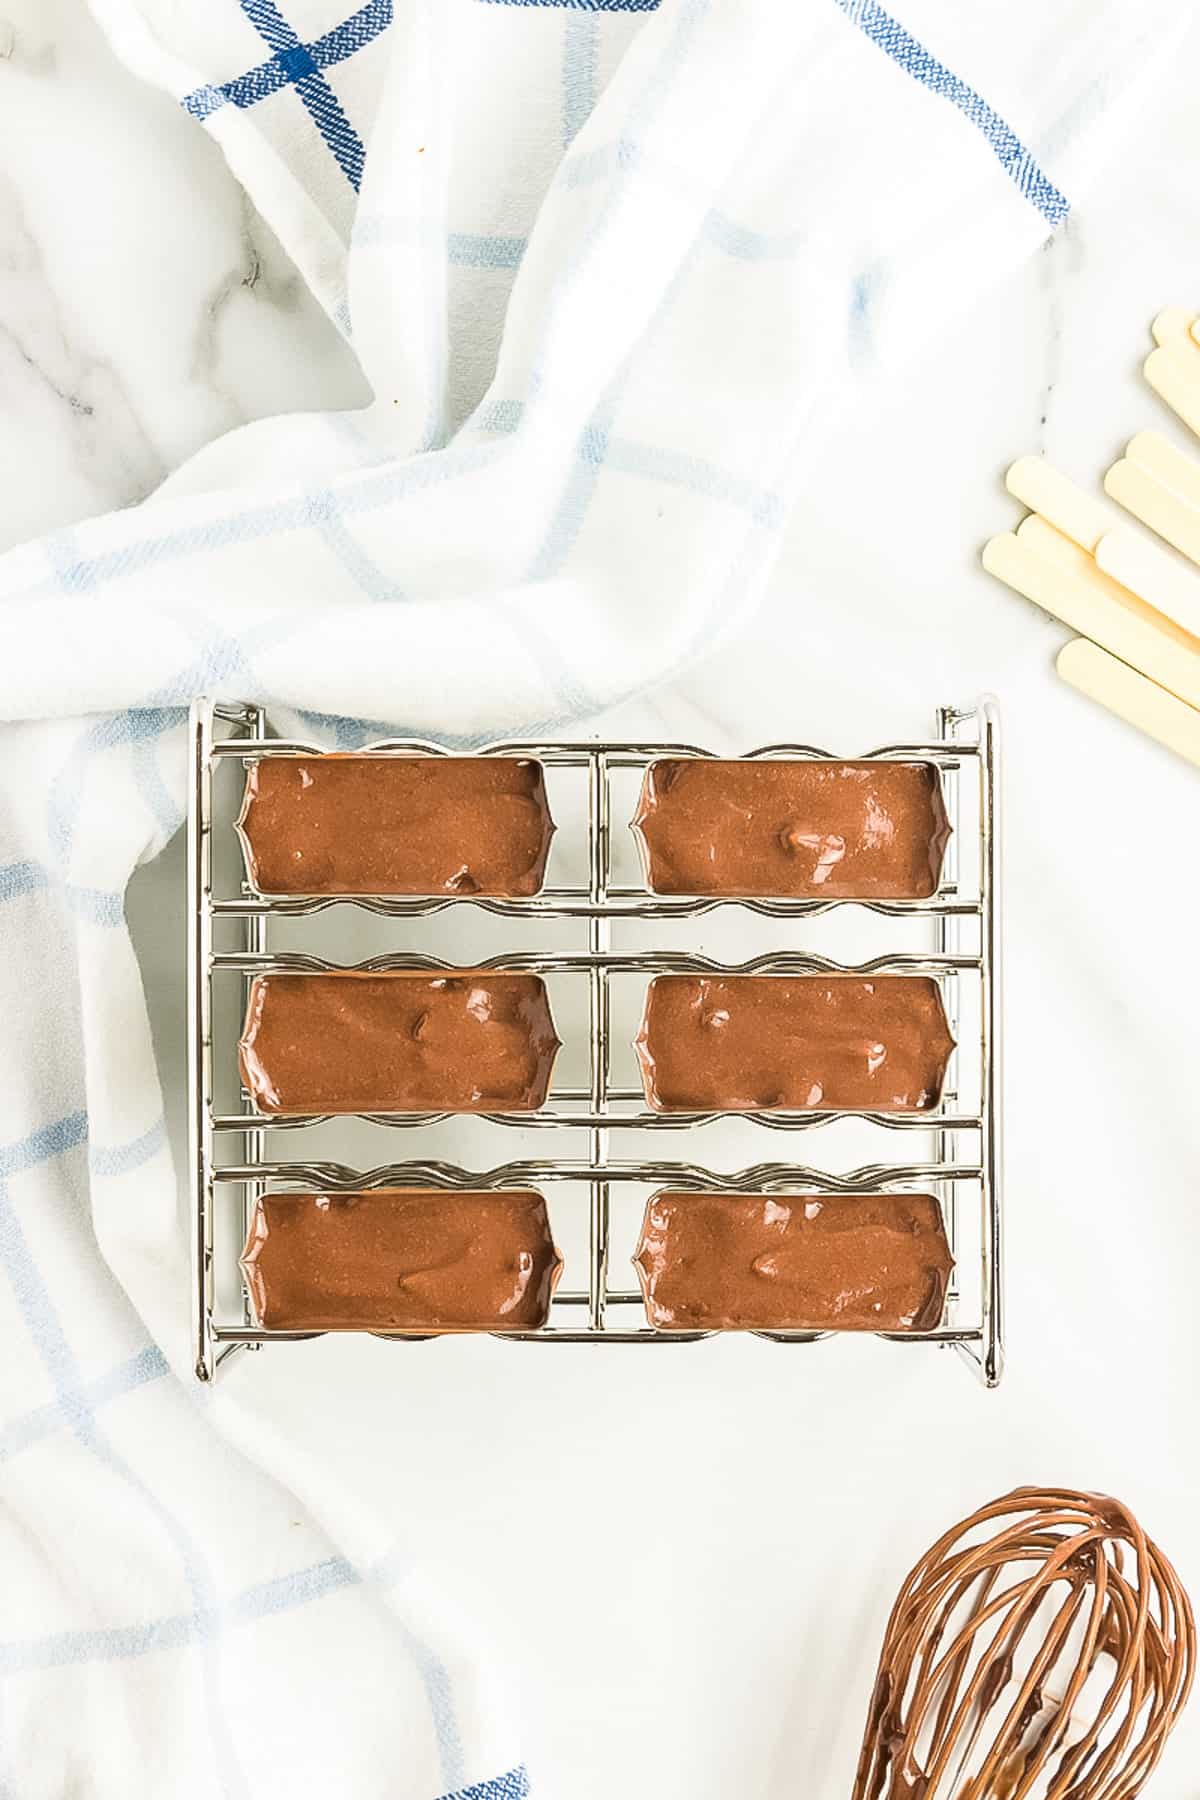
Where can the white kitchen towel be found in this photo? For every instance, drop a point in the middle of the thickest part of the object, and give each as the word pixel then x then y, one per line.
pixel 614 272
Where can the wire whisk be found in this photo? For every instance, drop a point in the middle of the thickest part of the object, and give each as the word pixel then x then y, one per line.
pixel 1042 1648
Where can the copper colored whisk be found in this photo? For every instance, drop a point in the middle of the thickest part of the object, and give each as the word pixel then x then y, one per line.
pixel 1043 1648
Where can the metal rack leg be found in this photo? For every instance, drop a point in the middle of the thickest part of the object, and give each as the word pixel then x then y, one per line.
pixel 599 938
pixel 200 1036
pixel 256 943
pixel 988 1356
pixel 990 1045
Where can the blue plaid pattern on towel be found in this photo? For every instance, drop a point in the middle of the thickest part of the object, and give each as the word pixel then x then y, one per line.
pixel 601 355
pixel 301 67
pixel 919 62
pixel 513 1786
pixel 72 1425
pixel 635 6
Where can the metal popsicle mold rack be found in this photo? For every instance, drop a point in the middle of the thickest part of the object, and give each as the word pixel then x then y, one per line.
pixel 963 1137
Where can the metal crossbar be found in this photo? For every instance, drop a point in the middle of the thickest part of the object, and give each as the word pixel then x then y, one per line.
pixel 966 744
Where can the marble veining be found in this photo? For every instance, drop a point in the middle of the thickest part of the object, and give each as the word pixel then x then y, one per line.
pixel 145 307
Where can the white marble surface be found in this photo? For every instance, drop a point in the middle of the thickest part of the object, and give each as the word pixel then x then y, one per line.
pixel 721 1529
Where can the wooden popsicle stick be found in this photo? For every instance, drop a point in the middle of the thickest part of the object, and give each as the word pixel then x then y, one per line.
pixel 1042 538
pixel 1126 626
pixel 1130 568
pixel 1159 457
pixel 1131 697
pixel 1052 543
pixel 1045 555
pixel 1140 566
pixel 1173 370
pixel 1044 489
pixel 1172 323
pixel 1048 541
pixel 1147 499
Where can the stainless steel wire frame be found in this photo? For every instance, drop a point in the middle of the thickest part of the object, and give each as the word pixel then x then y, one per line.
pixel 965 738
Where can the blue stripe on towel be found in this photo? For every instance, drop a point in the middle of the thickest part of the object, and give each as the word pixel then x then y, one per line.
pixel 42 1145
pixel 122 1159
pixel 585 6
pixel 294 63
pixel 911 56
pixel 45 1327
pixel 99 906
pixel 514 1785
pixel 120 1643
pixel 580 73
pixel 30 1428
pixel 477 250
